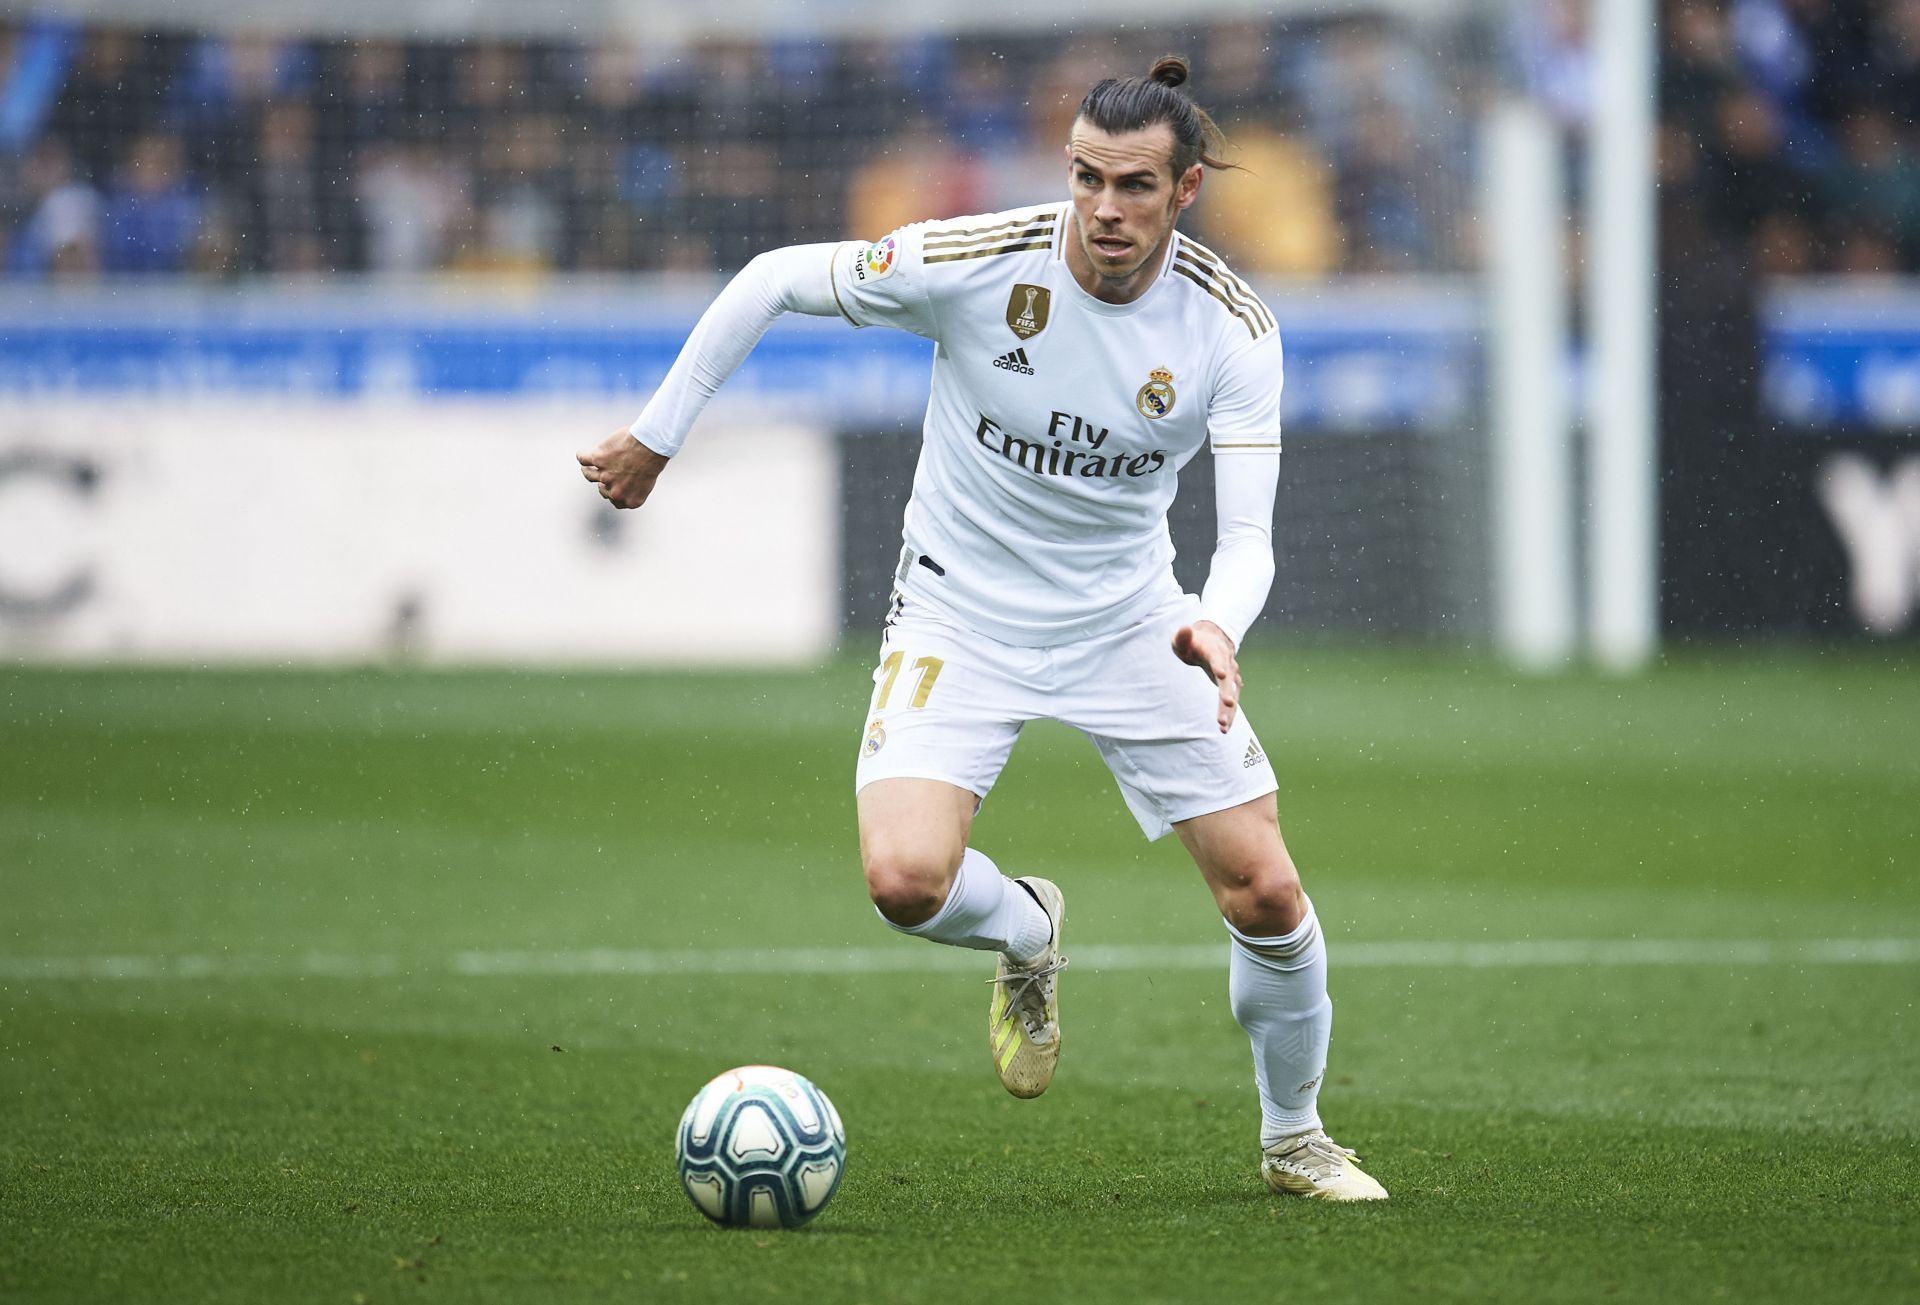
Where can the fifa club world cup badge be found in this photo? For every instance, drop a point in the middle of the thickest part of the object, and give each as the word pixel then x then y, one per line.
pixel 1156 396
pixel 876 739
pixel 1027 309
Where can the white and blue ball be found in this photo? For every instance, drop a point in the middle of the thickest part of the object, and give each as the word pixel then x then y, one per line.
pixel 761 1147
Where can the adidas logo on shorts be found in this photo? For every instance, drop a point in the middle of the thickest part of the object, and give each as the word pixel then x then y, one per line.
pixel 1253 758
pixel 1014 362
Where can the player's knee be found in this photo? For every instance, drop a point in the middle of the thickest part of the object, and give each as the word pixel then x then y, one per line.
pixel 908 885
pixel 1267 902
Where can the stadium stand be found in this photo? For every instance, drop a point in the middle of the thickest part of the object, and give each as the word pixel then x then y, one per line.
pixel 146 152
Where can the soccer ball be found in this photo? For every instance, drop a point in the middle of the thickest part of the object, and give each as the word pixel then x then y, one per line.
pixel 761 1147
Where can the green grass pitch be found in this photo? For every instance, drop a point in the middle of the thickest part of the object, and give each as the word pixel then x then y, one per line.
pixel 297 1083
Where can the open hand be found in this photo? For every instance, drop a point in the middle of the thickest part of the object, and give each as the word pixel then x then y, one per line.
pixel 623 468
pixel 1207 646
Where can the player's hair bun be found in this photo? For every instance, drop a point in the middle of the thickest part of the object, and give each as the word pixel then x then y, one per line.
pixel 1122 104
pixel 1169 70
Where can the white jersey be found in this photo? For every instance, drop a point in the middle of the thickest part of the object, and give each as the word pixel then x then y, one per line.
pixel 1058 423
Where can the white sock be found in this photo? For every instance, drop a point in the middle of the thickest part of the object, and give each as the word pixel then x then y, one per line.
pixel 1278 988
pixel 988 912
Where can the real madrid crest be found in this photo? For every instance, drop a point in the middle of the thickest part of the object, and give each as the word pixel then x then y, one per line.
pixel 876 738
pixel 1156 396
pixel 1027 309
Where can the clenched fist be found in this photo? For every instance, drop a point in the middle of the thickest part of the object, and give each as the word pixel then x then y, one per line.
pixel 623 468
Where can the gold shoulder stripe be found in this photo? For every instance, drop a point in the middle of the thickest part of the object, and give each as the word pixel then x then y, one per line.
pixel 943 233
pixel 1253 327
pixel 1018 233
pixel 1213 267
pixel 1200 251
pixel 1219 265
pixel 1220 268
pixel 1043 243
pixel 1248 444
pixel 1236 289
pixel 1244 303
pixel 833 280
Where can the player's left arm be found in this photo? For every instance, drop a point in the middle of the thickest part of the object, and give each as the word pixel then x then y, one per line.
pixel 1243 426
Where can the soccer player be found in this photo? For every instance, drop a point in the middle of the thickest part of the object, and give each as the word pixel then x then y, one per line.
pixel 1086 351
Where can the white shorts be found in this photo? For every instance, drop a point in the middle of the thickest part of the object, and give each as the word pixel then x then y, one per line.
pixel 948 704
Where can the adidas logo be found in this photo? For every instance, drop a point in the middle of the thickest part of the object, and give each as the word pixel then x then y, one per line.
pixel 1014 362
pixel 1254 757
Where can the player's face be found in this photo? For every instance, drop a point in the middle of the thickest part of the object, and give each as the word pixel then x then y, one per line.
pixel 1125 201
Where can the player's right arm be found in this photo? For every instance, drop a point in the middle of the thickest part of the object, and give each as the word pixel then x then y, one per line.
pixel 819 280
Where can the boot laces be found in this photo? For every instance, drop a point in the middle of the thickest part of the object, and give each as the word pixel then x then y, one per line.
pixel 1313 1154
pixel 1028 991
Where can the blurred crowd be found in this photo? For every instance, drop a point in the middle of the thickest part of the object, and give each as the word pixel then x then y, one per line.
pixel 125 151
pixel 1788 131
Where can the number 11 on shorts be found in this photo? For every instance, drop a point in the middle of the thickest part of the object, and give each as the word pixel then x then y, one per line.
pixel 929 668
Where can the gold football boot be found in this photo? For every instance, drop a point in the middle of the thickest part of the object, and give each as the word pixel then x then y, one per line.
pixel 1023 1021
pixel 1313 1164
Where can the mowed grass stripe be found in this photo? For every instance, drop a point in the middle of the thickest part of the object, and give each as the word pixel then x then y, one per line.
pixel 889 960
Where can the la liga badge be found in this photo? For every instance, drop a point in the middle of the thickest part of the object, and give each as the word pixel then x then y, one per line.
pixel 876 262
